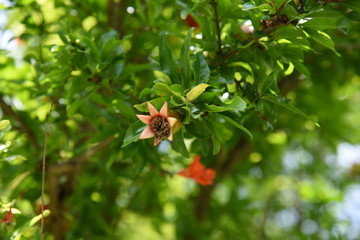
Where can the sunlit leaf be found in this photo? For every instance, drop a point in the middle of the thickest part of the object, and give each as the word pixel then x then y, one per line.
pixel 196 91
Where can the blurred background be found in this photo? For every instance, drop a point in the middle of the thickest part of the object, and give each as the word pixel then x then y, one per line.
pixel 93 59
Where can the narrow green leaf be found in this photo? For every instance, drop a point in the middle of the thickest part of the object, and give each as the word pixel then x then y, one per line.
pixel 216 146
pixel 223 7
pixel 201 69
pixel 271 81
pixel 166 61
pixel 327 19
pixel 179 144
pixel 237 104
pixel 250 6
pixel 74 106
pixel 63 36
pixel 185 70
pixel 353 4
pixel 208 30
pixel 236 124
pixel 288 106
pixel 323 39
pixel 301 68
pixel 37 218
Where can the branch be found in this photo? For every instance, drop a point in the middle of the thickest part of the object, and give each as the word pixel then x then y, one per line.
pixel 60 191
pixel 116 15
pixel 223 169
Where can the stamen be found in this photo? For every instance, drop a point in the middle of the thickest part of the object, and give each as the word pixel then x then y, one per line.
pixel 160 127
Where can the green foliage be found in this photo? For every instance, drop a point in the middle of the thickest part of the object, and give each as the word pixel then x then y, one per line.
pixel 250 82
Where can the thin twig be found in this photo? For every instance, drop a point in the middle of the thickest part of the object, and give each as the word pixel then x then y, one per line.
pixel 43 174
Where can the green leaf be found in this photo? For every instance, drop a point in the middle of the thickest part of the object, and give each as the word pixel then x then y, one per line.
pixel 210 95
pixel 166 61
pixel 37 218
pixel 4 124
pixel 216 146
pixel 281 102
pixel 279 2
pixel 133 133
pixel 189 9
pixel 156 102
pixel 353 4
pixel 237 104
pixel 201 69
pixel 323 39
pixel 184 12
pixel 179 144
pixel 236 124
pixel 353 15
pixel 93 53
pixel 196 91
pixel 161 89
pixel 271 81
pixel 198 128
pixel 327 19
pixel 74 106
pixel 301 68
pixel 208 30
pixel 130 69
pixel 138 164
pixel 185 70
pixel 291 33
pixel 250 6
pixel 63 36
pixel 111 48
pixel 223 7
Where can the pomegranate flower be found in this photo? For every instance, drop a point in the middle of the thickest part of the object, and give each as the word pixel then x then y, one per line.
pixel 198 172
pixel 158 124
pixel 8 217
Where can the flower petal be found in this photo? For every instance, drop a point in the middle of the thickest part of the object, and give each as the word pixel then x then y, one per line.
pixel 206 177
pixel 170 137
pixel 163 110
pixel 147 133
pixel 157 141
pixel 152 109
pixel 144 118
pixel 171 121
pixel 185 173
pixel 196 166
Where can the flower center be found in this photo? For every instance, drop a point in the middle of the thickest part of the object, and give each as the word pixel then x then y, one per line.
pixel 160 127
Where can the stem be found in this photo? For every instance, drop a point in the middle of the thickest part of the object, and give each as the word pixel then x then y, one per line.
pixel 43 174
pixel 217 24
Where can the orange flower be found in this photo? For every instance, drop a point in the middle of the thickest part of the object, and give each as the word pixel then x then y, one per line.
pixel 8 217
pixel 197 171
pixel 158 124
